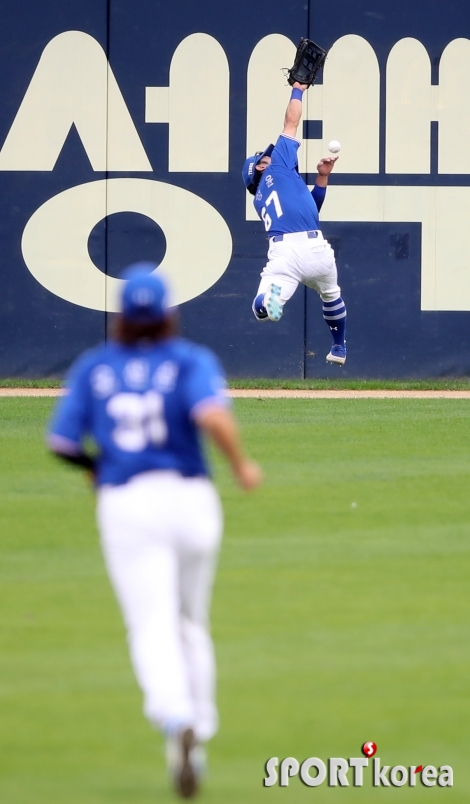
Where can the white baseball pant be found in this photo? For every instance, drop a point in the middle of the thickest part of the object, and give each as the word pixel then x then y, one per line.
pixel 298 259
pixel 160 535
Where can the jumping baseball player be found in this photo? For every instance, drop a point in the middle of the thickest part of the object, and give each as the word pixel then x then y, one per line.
pixel 298 252
pixel 144 397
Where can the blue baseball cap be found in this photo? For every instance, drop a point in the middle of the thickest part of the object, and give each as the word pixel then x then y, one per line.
pixel 145 295
pixel 250 176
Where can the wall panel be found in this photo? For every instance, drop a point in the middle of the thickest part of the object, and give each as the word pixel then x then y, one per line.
pixel 123 129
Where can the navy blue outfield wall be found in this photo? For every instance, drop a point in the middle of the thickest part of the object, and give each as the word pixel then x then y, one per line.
pixel 123 128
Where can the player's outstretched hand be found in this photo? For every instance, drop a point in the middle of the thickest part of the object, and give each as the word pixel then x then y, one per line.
pixel 249 475
pixel 326 165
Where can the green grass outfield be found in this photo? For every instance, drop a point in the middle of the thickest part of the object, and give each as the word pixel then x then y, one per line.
pixel 340 615
pixel 334 383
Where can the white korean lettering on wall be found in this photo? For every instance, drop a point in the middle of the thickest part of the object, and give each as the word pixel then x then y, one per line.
pixel 73 84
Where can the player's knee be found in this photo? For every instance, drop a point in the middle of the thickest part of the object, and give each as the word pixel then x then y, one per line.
pixel 194 627
pixel 330 295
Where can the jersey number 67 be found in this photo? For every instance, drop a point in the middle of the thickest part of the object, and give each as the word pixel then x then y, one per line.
pixel 267 220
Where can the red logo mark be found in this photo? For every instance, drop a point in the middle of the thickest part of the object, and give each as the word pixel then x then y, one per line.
pixel 419 769
pixel 369 749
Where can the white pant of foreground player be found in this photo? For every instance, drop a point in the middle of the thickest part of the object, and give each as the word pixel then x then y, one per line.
pixel 298 259
pixel 160 536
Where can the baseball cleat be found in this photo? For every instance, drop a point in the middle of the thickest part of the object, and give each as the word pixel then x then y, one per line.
pixel 184 761
pixel 258 310
pixel 272 303
pixel 337 354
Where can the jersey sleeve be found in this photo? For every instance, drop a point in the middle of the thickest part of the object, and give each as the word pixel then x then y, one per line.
pixel 205 382
pixel 318 195
pixel 69 422
pixel 285 152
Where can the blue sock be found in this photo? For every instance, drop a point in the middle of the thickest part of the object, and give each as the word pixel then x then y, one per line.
pixel 334 313
pixel 258 309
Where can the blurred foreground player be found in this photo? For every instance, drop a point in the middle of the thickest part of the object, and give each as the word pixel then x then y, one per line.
pixel 142 397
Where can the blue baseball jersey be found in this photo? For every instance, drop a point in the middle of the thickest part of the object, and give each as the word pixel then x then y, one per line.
pixel 282 200
pixel 137 405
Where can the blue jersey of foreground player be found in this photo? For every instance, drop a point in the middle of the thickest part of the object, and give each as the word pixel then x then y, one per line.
pixel 137 405
pixel 282 200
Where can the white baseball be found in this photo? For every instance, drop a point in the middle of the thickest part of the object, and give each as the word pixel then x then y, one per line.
pixel 334 146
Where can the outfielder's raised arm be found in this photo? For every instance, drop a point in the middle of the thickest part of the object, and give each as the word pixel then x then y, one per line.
pixel 294 110
pixel 324 167
pixel 309 58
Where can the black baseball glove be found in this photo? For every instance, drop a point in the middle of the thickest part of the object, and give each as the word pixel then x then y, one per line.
pixel 308 60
